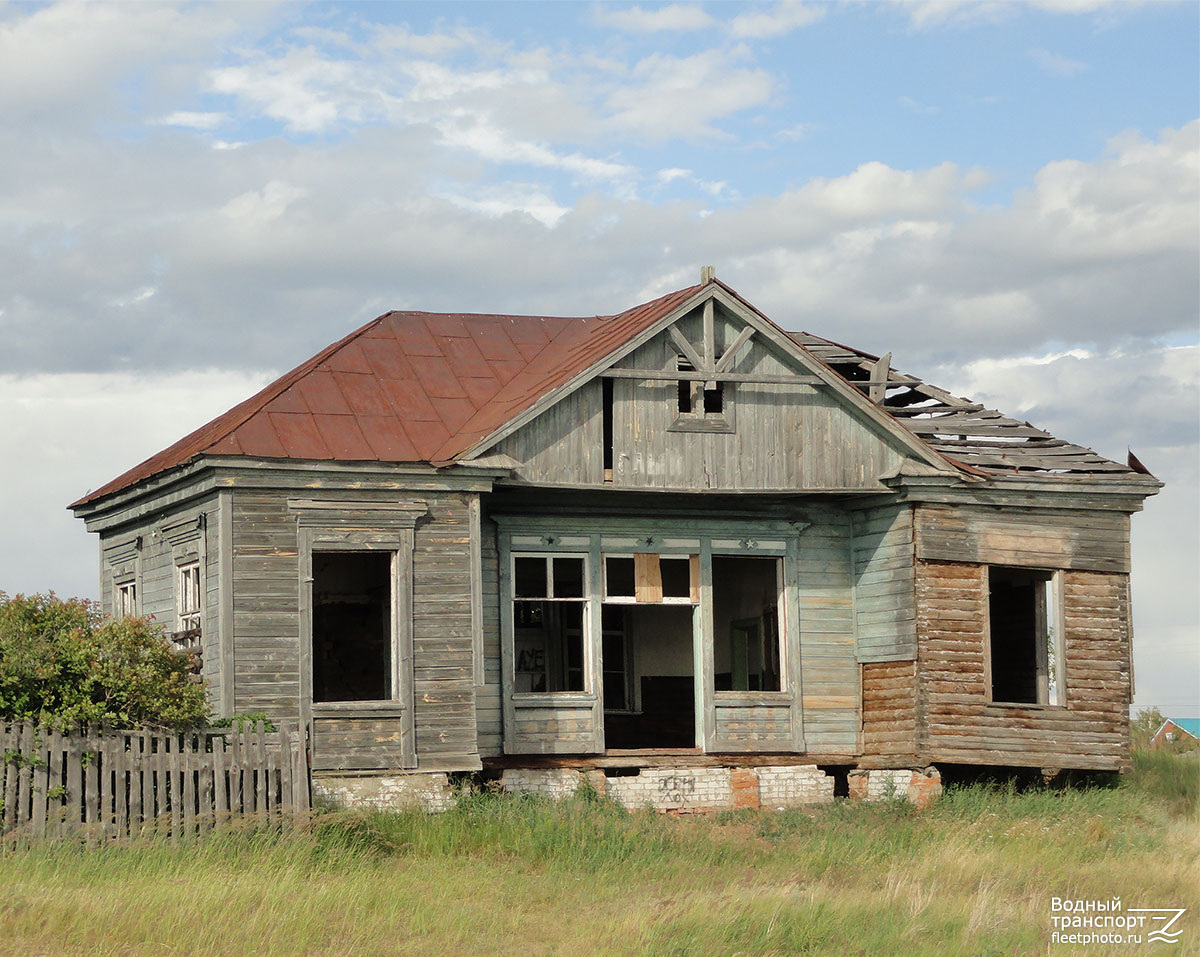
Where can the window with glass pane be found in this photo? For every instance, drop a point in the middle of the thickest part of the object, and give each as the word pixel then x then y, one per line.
pixel 548 623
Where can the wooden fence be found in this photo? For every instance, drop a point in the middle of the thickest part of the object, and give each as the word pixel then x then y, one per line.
pixel 103 784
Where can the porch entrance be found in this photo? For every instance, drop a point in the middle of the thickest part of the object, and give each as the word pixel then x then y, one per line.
pixel 649 677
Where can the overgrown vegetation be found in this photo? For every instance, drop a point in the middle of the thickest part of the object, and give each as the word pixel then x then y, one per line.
pixel 64 663
pixel 973 875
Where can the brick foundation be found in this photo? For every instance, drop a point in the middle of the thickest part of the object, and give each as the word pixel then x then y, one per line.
pixel 430 791
pixel 685 789
pixel 921 788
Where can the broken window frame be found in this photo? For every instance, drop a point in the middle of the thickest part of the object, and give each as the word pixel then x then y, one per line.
pixel 188 601
pixel 640 595
pixel 125 598
pixel 690 390
pixel 1050 646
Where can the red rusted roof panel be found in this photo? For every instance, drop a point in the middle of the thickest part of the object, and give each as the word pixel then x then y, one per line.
pixel 407 387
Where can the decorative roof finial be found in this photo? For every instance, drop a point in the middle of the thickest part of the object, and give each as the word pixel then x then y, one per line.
pixel 707 274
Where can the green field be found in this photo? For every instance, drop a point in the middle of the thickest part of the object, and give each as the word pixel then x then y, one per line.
pixel 501 875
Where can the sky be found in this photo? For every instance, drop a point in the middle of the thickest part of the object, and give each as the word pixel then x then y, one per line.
pixel 197 197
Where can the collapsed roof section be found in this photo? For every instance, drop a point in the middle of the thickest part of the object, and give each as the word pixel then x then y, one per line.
pixel 962 430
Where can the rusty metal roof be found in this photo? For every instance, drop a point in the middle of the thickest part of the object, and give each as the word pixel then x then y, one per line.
pixel 407 387
pixel 422 387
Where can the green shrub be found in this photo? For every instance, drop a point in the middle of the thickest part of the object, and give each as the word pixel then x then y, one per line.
pixel 64 663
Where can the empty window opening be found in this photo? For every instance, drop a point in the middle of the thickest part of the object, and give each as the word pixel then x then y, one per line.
pixel 746 645
pixel 606 386
pixel 649 676
pixel 687 388
pixel 714 399
pixel 352 626
pixel 1021 612
pixel 548 623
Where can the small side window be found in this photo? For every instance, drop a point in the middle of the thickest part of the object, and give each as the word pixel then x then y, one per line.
pixel 125 605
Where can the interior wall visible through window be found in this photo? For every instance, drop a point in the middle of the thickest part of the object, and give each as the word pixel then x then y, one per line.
pixel 352 625
pixel 1026 655
pixel 549 604
pixel 746 633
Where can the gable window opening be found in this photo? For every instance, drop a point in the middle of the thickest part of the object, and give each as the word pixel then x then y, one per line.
pixel 1026 654
pixel 700 405
pixel 549 623
pixel 352 625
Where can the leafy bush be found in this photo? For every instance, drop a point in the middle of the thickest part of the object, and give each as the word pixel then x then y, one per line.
pixel 65 663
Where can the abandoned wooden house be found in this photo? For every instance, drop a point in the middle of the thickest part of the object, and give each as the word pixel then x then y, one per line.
pixel 676 551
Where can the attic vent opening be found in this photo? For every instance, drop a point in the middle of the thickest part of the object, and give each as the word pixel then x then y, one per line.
pixel 701 406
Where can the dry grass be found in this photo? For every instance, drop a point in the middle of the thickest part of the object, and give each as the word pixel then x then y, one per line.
pixel 972 876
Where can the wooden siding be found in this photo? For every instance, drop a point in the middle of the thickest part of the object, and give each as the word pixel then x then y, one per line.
pixel 266 609
pixel 754 727
pixel 156 562
pixel 889 709
pixel 783 435
pixel 1026 537
pixel 489 714
pixel 565 443
pixel 960 725
pixel 884 613
pixel 829 672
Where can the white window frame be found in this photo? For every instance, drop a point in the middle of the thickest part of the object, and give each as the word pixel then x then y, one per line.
pixel 189 596
pixel 125 598
pixel 589 679
pixel 781 625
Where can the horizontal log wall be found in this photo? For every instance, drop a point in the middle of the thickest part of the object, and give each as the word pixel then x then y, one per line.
pixel 961 725
pixel 889 709
pixel 1024 537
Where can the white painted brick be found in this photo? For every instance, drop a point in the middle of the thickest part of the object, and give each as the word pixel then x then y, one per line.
pixel 781 787
pixel 674 788
pixel 888 785
pixel 553 782
pixel 428 790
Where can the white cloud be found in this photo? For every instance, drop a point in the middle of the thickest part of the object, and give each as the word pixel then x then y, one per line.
pixel 193 120
pixel 673 97
pixel 782 18
pixel 929 13
pixel 1056 65
pixel 674 17
pixel 920 108
pixel 64 427
pixel 512 198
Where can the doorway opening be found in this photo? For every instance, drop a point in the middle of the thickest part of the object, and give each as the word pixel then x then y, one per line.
pixel 649 677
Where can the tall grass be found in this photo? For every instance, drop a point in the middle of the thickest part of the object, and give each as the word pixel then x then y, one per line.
pixel 521 875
